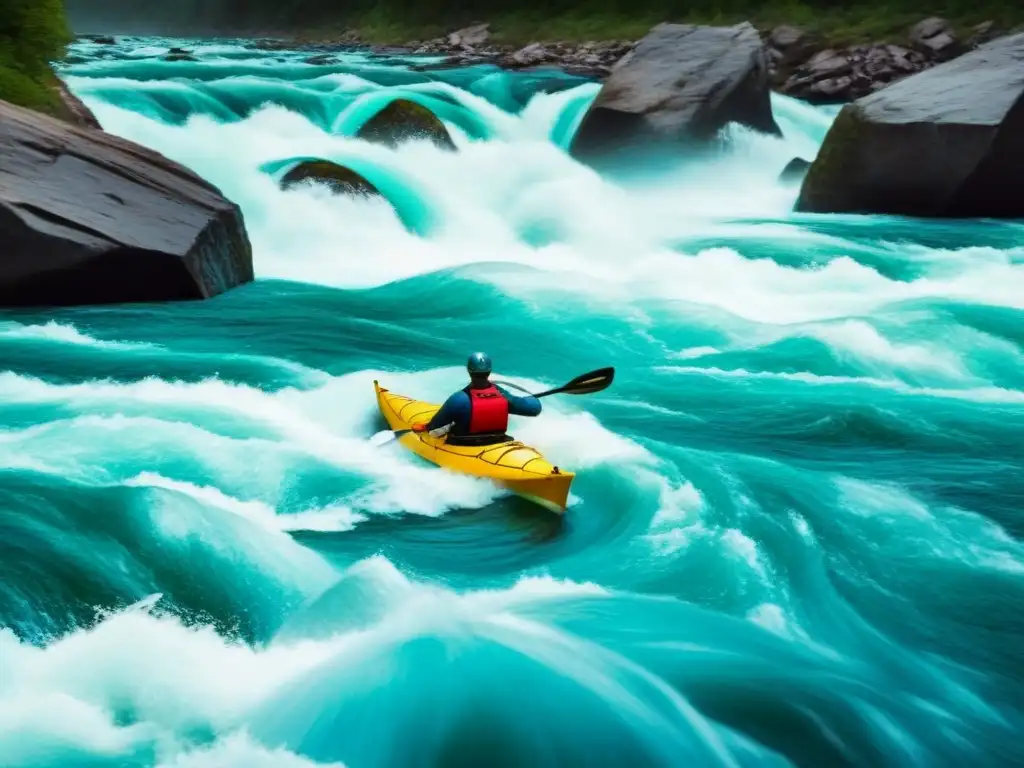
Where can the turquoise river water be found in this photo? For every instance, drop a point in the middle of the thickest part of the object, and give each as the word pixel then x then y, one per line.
pixel 794 537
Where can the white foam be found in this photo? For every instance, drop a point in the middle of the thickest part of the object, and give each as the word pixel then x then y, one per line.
pixel 517 212
pixel 178 680
pixel 745 548
pixel 233 428
pixel 335 518
pixel 238 751
pixel 932 530
pixel 64 333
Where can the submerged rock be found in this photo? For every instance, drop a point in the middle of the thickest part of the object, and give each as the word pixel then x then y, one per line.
pixel 947 142
pixel 340 180
pixel 179 54
pixel 681 84
pixel 402 120
pixel 88 218
pixel 794 171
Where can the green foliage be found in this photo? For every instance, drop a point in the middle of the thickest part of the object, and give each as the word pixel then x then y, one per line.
pixel 520 21
pixel 33 33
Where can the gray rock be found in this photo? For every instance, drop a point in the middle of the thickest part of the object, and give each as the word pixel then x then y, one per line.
pixel 837 76
pixel 470 37
pixel 90 218
pixel 828 63
pixel 785 37
pixel 947 142
pixel 935 37
pixel 680 85
pixel 530 56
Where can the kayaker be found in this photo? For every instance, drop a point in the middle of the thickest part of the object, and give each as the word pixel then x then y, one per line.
pixel 478 414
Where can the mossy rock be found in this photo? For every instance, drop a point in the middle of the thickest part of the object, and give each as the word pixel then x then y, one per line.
pixel 340 180
pixel 404 120
pixel 824 180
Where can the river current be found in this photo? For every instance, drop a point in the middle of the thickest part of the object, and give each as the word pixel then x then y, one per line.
pixel 794 535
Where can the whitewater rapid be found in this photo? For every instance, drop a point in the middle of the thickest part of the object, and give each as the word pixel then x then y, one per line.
pixel 794 534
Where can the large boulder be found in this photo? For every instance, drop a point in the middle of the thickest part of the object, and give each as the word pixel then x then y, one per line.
pixel 948 142
pixel 681 84
pixel 87 218
pixel 402 120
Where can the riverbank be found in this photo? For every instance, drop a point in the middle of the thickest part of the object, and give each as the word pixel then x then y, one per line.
pixel 804 62
pixel 848 26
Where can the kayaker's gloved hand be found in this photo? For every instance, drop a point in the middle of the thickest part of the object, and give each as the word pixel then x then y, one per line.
pixel 419 427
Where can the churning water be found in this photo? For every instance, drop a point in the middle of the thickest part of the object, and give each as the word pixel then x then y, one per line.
pixel 794 538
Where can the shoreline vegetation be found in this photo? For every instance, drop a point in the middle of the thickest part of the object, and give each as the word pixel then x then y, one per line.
pixel 33 34
pixel 820 51
pixel 518 23
pixel 839 27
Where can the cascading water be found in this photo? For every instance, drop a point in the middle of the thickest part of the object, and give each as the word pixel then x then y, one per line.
pixel 794 535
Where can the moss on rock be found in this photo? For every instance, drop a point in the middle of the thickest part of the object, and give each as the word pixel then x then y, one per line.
pixel 832 167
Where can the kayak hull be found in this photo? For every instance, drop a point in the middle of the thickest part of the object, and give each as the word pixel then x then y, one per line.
pixel 511 464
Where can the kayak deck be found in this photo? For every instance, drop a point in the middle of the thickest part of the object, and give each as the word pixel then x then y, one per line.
pixel 511 464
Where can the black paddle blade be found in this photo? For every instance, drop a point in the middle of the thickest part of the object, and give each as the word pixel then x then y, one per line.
pixel 586 383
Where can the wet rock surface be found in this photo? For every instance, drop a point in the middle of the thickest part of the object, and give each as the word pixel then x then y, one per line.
pixel 91 218
pixel 947 142
pixel 681 84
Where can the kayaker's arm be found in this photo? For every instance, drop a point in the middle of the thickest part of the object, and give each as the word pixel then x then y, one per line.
pixel 521 405
pixel 455 409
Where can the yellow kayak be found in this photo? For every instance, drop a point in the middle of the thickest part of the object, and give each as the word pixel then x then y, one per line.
pixel 510 464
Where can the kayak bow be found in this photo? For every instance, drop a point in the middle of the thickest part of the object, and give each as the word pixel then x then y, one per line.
pixel 510 464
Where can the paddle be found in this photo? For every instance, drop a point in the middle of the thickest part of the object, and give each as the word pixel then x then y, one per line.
pixel 584 384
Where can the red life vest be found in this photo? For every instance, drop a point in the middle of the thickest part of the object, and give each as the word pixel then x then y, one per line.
pixel 488 411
